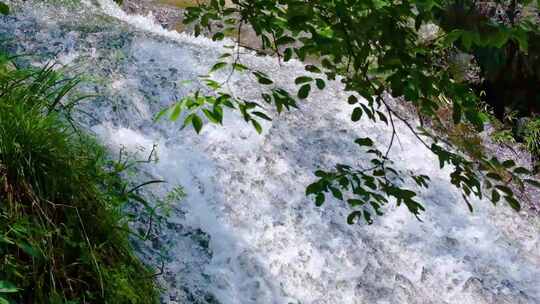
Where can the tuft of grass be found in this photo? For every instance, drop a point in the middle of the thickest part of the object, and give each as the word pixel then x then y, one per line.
pixel 532 136
pixel 63 234
pixel 503 136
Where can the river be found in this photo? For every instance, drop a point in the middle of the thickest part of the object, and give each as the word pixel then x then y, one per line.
pixel 246 233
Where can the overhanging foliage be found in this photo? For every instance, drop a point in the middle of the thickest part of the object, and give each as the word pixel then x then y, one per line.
pixel 375 47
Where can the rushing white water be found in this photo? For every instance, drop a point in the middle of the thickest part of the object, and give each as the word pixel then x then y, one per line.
pixel 246 233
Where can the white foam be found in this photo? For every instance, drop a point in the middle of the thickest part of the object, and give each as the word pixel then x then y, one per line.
pixel 147 23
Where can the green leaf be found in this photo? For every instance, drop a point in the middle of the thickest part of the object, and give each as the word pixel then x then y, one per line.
pixel 469 205
pixel 513 203
pixel 365 142
pixel 262 78
pixel 474 117
pixel 218 66
pixel 303 79
pixel 382 117
pixel 521 170
pixel 533 182
pixel 352 100
pixel 266 97
pixel 509 164
pixel 161 114
pixel 197 123
pixel 8 287
pixel 176 111
pixel 319 199
pixel 225 55
pixel 218 36
pixel 495 196
pixel 313 189
pixel 367 217
pixel 3 300
pixel 257 126
pixel 312 69
pixel 303 93
pixel 287 55
pixel 357 114
pixel 214 85
pixel 320 83
pixel 355 202
pixel 4 9
pixel 239 67
pixel 211 116
pixel 351 219
pixel 336 193
pixel 504 189
pixel 494 176
pixel 218 112
pixel 261 115
pixel 264 81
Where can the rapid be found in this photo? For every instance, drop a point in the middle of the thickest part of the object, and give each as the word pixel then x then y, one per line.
pixel 246 233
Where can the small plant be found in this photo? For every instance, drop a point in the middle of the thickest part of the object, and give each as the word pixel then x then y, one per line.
pixel 503 137
pixel 532 137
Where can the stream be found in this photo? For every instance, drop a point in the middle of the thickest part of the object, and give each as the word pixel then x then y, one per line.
pixel 245 232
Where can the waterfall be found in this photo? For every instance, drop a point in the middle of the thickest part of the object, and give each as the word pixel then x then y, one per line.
pixel 246 233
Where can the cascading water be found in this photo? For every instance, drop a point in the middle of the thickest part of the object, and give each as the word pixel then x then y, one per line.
pixel 246 233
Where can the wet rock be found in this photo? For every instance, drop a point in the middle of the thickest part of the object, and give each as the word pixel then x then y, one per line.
pixel 169 17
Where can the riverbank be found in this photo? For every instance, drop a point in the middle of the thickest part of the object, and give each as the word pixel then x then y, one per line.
pixel 64 236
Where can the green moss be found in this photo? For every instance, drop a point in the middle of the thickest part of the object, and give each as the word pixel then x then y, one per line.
pixel 63 235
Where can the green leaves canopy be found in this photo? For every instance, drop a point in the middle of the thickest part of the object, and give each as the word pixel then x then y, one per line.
pixel 376 47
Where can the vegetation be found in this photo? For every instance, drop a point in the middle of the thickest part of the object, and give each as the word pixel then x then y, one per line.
pixel 383 47
pixel 63 231
pixel 532 136
pixel 4 9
